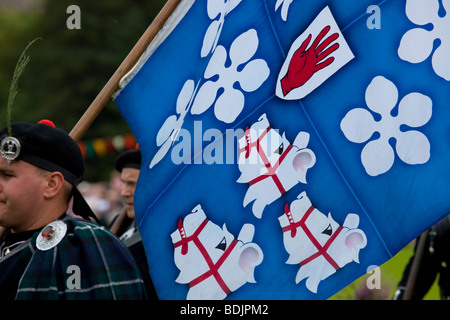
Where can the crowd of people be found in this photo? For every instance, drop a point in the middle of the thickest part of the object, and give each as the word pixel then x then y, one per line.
pixel 104 197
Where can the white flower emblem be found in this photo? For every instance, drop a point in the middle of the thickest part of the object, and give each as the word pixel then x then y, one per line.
pixel 417 44
pixel 412 146
pixel 250 74
pixel 216 9
pixel 170 129
pixel 284 7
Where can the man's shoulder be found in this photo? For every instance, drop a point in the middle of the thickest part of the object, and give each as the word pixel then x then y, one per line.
pixel 107 267
pixel 90 231
pixel 81 226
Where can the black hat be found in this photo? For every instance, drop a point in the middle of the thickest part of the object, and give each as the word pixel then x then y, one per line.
pixel 128 159
pixel 48 148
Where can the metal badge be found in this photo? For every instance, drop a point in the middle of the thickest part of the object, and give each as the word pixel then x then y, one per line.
pixel 10 148
pixel 51 235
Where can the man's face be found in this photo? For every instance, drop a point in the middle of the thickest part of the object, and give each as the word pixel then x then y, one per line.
pixel 21 194
pixel 129 177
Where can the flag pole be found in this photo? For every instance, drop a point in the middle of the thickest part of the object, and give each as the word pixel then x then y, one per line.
pixel 131 59
pixel 105 94
pixel 415 266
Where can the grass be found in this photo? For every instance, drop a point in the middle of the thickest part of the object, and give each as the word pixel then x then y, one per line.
pixel 391 273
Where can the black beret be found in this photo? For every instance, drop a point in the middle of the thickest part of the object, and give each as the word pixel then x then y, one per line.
pixel 46 147
pixel 128 159
pixel 51 149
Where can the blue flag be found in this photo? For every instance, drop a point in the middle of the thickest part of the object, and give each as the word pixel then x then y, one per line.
pixel 289 146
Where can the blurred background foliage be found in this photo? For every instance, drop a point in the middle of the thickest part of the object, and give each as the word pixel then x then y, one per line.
pixel 68 68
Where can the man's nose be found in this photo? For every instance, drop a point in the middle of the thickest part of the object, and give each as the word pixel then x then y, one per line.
pixel 126 191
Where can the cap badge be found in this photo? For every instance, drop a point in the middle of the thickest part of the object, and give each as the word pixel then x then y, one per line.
pixel 51 235
pixel 10 148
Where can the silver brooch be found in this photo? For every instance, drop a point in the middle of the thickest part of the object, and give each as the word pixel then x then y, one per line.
pixel 10 148
pixel 51 235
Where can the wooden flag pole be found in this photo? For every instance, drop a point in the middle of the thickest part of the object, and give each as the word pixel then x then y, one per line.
pixel 105 94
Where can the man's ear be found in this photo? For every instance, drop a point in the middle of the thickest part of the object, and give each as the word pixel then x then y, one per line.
pixel 54 184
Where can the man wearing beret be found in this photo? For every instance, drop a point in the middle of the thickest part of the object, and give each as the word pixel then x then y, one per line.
pixel 47 253
pixel 128 163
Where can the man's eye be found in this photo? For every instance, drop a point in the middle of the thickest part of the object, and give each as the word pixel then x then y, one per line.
pixel 7 174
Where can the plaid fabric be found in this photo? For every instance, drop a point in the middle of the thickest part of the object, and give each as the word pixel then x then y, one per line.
pixel 106 268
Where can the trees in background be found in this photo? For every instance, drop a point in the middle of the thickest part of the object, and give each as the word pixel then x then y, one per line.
pixel 69 67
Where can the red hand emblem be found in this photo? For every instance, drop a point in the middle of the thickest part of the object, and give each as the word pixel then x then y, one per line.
pixel 306 62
